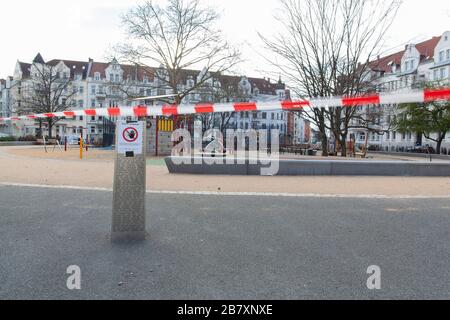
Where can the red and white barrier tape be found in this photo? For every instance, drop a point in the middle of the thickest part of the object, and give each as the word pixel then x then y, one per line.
pixel 422 96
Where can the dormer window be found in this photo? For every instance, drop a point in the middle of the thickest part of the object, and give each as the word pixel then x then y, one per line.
pixel 145 79
pixel 97 76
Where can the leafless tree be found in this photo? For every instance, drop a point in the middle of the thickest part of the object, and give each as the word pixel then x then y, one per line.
pixel 225 90
pixel 177 37
pixel 324 48
pixel 47 91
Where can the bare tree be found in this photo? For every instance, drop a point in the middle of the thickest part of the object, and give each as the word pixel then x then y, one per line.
pixel 47 91
pixel 225 90
pixel 180 36
pixel 324 49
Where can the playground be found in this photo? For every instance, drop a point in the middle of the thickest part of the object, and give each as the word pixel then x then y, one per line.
pixel 32 165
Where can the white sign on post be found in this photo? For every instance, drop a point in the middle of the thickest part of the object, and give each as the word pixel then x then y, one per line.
pixel 131 137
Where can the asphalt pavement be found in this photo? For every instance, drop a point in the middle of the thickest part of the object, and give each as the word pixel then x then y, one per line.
pixel 224 247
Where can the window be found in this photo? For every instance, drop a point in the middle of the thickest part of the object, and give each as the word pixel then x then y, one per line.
pixel 97 76
pixel 93 118
pixel 264 116
pixel 80 90
pixel 448 54
pixel 93 130
pixel 145 80
pixel 436 75
pixel 394 135
pixel 264 126
pixel 111 77
pixel 441 56
pixel 388 135
pixel 93 103
pixel 93 89
pixel 117 78
pixel 81 104
pixel 443 73
pixel 81 118
pixel 273 116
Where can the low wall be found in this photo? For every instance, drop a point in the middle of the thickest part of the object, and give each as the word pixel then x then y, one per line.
pixel 316 168
pixel 412 154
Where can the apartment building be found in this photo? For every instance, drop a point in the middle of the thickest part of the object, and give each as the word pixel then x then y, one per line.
pixel 99 85
pixel 427 62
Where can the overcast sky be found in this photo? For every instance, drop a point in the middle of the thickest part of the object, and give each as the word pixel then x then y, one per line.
pixel 80 29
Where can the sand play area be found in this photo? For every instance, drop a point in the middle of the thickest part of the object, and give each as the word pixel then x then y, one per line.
pixel 32 165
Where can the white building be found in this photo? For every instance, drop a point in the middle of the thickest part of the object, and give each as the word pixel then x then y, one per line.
pixel 5 105
pixel 417 65
pixel 99 85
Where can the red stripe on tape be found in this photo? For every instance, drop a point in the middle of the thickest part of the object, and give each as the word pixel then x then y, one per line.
pixel 69 114
pixel 140 111
pixel 245 107
pixel 358 101
pixel 49 115
pixel 437 94
pixel 90 112
pixel 31 117
pixel 170 110
pixel 114 112
pixel 204 108
pixel 289 105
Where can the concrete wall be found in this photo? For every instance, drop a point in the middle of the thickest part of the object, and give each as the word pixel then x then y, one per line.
pixel 318 168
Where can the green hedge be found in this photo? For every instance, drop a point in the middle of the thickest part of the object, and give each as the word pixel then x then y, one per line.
pixel 7 139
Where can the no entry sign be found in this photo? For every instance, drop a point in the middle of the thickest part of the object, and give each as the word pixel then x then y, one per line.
pixel 130 137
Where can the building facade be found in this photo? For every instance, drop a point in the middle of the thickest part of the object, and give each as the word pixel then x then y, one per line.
pixel 5 105
pixel 418 65
pixel 101 85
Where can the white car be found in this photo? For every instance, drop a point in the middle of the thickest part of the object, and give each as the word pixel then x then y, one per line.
pixel 73 140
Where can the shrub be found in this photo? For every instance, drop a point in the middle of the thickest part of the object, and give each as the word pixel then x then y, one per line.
pixel 7 139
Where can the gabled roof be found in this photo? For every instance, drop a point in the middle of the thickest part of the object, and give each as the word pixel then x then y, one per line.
pixel 136 72
pixel 38 59
pixel 25 69
pixel 425 48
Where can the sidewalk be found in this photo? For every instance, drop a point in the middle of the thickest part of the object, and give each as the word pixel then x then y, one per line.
pixel 34 166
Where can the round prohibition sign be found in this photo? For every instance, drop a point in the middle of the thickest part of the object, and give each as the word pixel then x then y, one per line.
pixel 130 135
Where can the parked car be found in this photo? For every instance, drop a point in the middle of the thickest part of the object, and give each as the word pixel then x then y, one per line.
pixel 74 140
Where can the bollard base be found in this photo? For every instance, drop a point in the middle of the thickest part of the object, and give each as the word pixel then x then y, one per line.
pixel 128 236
